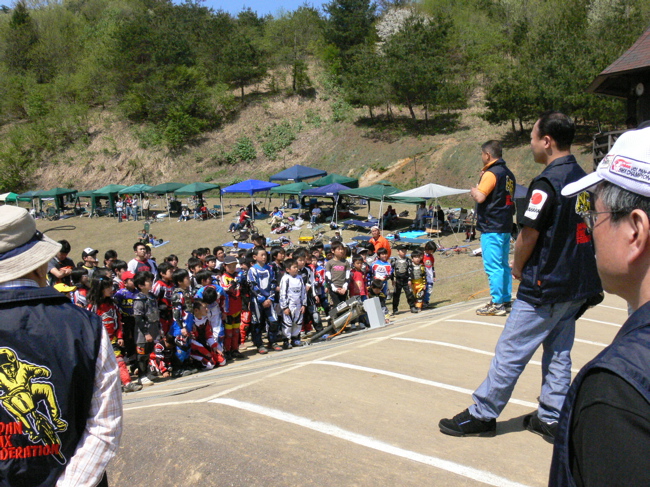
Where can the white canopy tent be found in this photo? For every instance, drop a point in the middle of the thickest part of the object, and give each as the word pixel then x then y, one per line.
pixel 431 191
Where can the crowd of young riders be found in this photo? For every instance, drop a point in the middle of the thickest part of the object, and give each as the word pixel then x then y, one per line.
pixel 168 320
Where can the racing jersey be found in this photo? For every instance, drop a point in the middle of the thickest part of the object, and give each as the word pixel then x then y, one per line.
pixel 124 300
pixel 110 317
pixel 230 285
pixel 382 270
pixel 293 293
pixel 429 260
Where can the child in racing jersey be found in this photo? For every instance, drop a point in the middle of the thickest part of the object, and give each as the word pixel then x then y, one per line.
pixel 100 302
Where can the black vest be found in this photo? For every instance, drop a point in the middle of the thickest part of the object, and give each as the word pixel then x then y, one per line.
pixel 562 266
pixel 48 350
pixel 628 357
pixel 495 214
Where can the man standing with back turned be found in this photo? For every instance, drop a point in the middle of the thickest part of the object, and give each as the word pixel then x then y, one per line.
pixel 60 395
pixel 495 198
pixel 604 433
pixel 554 259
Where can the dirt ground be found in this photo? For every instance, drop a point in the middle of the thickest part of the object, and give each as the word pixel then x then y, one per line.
pixel 459 275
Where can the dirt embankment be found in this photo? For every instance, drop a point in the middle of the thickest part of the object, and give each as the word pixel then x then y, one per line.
pixel 446 152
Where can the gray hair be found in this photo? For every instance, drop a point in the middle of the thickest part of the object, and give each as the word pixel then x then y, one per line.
pixel 620 201
pixel 373 228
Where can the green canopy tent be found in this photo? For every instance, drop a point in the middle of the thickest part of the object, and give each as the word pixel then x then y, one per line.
pixel 8 198
pixel 166 189
pixel 29 196
pixel 58 194
pixel 197 189
pixel 293 188
pixel 140 189
pixel 110 192
pixel 136 189
pixel 380 192
pixel 336 178
pixel 86 194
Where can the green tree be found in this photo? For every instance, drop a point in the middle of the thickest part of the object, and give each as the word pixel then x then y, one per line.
pixel 20 39
pixel 244 62
pixel 417 62
pixel 292 39
pixel 349 24
pixel 365 82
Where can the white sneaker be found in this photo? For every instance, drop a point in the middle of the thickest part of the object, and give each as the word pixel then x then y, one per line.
pixel 146 381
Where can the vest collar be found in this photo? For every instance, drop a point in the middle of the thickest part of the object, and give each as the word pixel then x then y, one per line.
pixel 570 159
pixel 638 319
pixel 30 294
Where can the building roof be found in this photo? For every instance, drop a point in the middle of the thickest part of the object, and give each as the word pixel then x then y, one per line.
pixel 615 79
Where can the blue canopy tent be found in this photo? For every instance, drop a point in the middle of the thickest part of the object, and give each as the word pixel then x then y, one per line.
pixel 250 186
pixel 331 190
pixel 297 173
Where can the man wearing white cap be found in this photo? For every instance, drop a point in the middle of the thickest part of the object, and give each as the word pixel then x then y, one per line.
pixel 604 432
pixel 554 260
pixel 60 399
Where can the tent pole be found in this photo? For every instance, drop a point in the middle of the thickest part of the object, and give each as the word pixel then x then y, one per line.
pixel 336 211
pixel 221 199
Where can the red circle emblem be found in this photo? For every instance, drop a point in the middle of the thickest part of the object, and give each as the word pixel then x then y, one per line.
pixel 536 199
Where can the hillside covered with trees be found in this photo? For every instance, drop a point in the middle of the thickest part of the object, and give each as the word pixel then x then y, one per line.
pixel 173 80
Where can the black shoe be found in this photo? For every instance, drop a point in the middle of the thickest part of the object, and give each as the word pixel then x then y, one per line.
pixel 464 424
pixel 535 425
pixel 508 306
pixel 189 371
pixel 237 354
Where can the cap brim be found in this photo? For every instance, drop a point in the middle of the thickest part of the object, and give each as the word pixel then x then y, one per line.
pixel 583 184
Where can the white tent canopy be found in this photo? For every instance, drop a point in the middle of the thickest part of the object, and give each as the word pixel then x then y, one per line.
pixel 431 191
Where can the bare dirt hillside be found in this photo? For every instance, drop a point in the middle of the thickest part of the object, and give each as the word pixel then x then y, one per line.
pixel 445 152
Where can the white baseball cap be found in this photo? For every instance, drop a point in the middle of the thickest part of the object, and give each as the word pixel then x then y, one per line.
pixel 627 165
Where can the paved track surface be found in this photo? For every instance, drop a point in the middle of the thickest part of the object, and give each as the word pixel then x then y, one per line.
pixel 361 409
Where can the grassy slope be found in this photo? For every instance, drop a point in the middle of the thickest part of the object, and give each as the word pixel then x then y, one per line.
pixel 445 153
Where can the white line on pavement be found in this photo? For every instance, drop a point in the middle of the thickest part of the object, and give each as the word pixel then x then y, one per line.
pixel 335 431
pixel 579 340
pixel 601 322
pixel 612 307
pixel 467 349
pixel 410 378
pixel 472 322
pixel 589 342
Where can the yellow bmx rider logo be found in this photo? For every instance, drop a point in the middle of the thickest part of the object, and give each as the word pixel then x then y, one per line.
pixel 26 396
pixel 583 203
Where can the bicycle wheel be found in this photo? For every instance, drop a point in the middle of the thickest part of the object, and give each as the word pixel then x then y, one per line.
pixel 48 435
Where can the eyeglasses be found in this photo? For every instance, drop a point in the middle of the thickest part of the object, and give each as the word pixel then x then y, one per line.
pixel 591 217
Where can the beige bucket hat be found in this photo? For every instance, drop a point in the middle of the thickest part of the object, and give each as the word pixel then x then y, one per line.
pixel 22 247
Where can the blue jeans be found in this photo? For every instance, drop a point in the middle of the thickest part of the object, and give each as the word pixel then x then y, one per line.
pixel 528 327
pixel 495 247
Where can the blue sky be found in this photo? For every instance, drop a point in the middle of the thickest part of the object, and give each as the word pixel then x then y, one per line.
pixel 262 7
